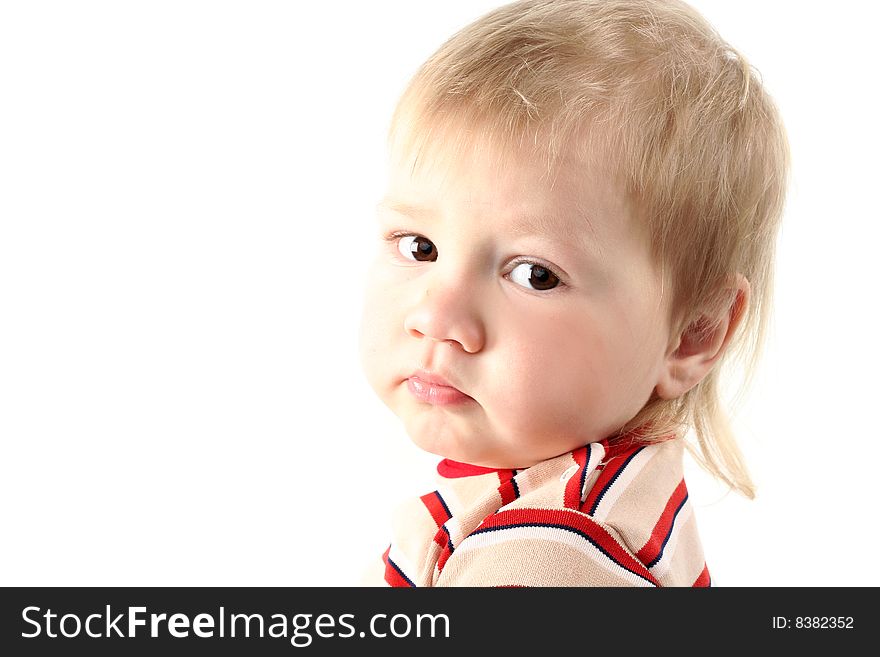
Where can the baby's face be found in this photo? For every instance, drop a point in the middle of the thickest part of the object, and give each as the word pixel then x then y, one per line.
pixel 509 320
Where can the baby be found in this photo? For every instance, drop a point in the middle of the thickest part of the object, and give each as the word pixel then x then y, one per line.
pixel 579 229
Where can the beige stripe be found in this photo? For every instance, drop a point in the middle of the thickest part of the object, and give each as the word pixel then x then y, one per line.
pixel 688 560
pixel 662 567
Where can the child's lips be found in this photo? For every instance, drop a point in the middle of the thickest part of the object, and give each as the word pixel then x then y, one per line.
pixel 435 390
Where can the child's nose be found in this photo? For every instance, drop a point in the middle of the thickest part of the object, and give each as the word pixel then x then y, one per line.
pixel 447 313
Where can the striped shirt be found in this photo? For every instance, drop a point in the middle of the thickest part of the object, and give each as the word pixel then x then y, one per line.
pixel 602 515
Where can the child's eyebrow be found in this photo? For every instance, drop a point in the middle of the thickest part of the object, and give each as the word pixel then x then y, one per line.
pixel 528 224
pixel 523 224
pixel 573 225
pixel 413 211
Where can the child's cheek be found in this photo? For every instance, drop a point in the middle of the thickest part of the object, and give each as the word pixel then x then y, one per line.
pixel 556 361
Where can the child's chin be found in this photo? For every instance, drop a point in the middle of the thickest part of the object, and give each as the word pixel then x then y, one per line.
pixel 435 440
pixel 431 444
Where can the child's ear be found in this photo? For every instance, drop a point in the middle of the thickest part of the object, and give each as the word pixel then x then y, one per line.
pixel 694 351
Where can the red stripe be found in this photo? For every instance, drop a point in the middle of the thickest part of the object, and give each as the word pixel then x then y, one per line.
pixel 392 576
pixel 573 486
pixel 442 539
pixel 576 521
pixel 445 553
pixel 506 489
pixel 614 460
pixel 704 579
pixel 654 544
pixel 435 508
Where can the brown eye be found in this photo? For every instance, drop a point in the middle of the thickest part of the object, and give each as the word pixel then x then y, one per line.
pixel 416 247
pixel 534 277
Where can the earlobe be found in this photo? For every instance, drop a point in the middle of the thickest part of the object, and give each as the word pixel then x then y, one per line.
pixel 702 343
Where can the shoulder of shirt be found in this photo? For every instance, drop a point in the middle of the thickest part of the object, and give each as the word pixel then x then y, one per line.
pixel 633 493
pixel 648 509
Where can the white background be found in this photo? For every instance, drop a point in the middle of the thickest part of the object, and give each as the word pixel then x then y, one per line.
pixel 186 191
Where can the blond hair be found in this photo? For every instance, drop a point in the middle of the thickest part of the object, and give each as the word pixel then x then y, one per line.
pixel 680 120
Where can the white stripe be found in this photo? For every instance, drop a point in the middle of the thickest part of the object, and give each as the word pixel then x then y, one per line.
pixel 624 478
pixel 595 454
pixel 455 533
pixel 556 535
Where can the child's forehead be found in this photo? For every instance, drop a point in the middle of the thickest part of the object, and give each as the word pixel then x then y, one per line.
pixel 482 173
pixel 542 154
pixel 535 191
pixel 449 146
